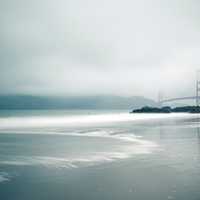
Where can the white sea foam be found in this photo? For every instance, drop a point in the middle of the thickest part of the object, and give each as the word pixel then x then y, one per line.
pixel 129 143
pixel 9 123
pixel 88 160
pixel 4 177
pixel 129 146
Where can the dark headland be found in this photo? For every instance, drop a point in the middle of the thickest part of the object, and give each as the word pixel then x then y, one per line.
pixel 167 109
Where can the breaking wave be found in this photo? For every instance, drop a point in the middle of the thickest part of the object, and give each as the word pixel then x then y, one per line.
pixel 128 145
pixel 9 123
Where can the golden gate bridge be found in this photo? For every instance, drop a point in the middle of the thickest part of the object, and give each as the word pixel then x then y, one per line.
pixel 196 97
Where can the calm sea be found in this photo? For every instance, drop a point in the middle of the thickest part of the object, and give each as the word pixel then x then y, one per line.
pixel 99 155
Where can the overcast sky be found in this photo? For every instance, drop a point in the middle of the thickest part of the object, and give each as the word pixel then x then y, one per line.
pixel 94 47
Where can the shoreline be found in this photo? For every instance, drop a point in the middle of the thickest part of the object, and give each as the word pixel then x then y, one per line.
pixel 167 109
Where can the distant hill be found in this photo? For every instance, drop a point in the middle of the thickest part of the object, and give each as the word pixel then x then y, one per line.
pixel 82 102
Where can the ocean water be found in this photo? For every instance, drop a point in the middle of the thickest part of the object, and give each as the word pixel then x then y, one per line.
pixel 88 154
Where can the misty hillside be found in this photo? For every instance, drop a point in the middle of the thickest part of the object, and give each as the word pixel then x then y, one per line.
pixel 86 102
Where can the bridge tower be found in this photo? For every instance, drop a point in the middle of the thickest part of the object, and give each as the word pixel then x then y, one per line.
pixel 198 88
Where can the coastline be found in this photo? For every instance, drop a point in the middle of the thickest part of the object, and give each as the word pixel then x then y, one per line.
pixel 168 109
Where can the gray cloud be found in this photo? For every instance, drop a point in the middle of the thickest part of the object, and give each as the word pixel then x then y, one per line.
pixel 76 47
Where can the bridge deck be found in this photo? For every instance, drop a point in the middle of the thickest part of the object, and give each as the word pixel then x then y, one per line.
pixel 178 99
